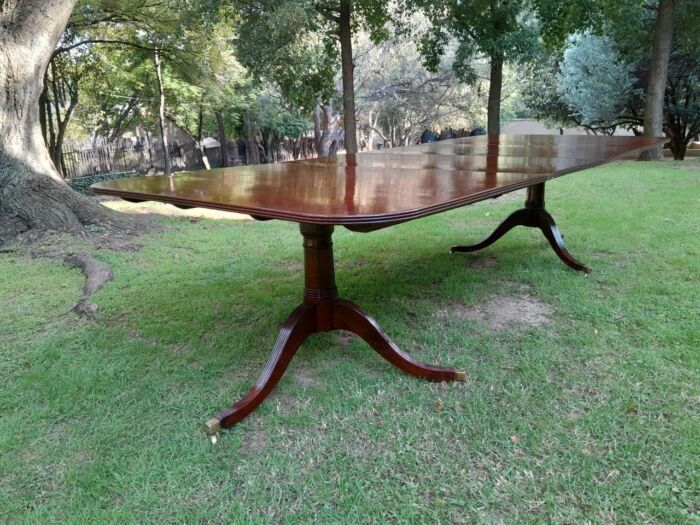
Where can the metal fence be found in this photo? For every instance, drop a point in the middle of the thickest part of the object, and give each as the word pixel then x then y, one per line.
pixel 106 159
pixel 116 158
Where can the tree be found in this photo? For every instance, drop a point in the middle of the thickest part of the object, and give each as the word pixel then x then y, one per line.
pixel 266 122
pixel 113 93
pixel 398 98
pixel 57 103
pixel 299 48
pixel 32 195
pixel 595 83
pixel 656 87
pixel 681 117
pixel 94 27
pixel 594 86
pixel 497 29
pixel 161 111
pixel 641 31
pixel 167 63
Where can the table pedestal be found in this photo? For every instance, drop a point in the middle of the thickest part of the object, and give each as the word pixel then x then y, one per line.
pixel 322 311
pixel 534 216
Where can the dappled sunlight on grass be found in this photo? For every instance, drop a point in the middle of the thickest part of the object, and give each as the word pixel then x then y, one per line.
pixel 172 211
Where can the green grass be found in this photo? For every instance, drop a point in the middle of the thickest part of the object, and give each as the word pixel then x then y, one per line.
pixel 591 418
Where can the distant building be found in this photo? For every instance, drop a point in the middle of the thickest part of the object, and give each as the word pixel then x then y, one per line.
pixel 524 126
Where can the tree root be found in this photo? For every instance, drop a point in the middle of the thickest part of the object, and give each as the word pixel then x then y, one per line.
pixel 96 273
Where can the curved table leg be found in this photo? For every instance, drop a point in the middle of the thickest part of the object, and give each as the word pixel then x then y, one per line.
pixel 299 325
pixel 348 316
pixel 533 215
pixel 551 232
pixel 322 311
pixel 517 218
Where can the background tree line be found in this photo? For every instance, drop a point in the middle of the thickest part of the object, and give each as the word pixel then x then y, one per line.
pixel 266 71
pixel 350 72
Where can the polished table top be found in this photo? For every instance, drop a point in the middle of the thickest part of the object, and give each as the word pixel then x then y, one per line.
pixel 380 188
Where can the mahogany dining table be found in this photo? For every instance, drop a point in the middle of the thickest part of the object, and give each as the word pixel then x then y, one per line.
pixel 372 190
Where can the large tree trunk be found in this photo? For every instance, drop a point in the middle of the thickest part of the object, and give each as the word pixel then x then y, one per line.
pixel 251 147
pixel 33 198
pixel 317 128
pixel 493 125
pixel 62 126
pixel 371 123
pixel 168 167
pixel 202 149
pixel 654 104
pixel 223 140
pixel 348 67
pixel 328 129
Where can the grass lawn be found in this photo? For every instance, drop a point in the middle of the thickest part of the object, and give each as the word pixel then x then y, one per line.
pixel 587 413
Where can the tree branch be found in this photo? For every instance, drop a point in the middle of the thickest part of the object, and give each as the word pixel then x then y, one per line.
pixel 66 48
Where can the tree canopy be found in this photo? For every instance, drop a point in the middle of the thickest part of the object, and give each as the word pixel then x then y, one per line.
pixel 269 72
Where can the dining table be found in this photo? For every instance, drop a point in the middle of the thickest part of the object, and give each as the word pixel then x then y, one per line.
pixel 368 191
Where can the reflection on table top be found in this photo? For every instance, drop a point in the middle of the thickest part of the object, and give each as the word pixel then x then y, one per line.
pixel 383 187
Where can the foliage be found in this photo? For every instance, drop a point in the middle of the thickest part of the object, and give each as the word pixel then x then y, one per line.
pixel 682 102
pixel 113 93
pixel 201 73
pixel 540 94
pixel 121 38
pixel 398 97
pixel 265 121
pixel 498 29
pixel 503 31
pixel 299 51
pixel 591 85
pixel 595 83
pixel 82 184
pixel 296 52
pixel 305 41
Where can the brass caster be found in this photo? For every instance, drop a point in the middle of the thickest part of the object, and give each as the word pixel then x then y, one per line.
pixel 212 426
pixel 213 439
pixel 460 375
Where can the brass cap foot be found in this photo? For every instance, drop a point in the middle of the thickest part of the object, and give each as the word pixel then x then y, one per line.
pixel 212 426
pixel 460 375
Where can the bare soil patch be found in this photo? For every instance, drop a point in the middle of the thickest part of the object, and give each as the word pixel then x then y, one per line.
pixel 291 265
pixel 481 263
pixel 256 440
pixel 344 338
pixel 307 378
pixel 516 311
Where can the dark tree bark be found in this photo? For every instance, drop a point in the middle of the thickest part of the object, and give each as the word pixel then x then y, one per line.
pixel 317 128
pixel 161 114
pixel 493 125
pixel 123 115
pixel 654 103
pixel 223 140
pixel 33 198
pixel 251 147
pixel 348 68
pixel 62 121
pixel 42 115
pixel 329 123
